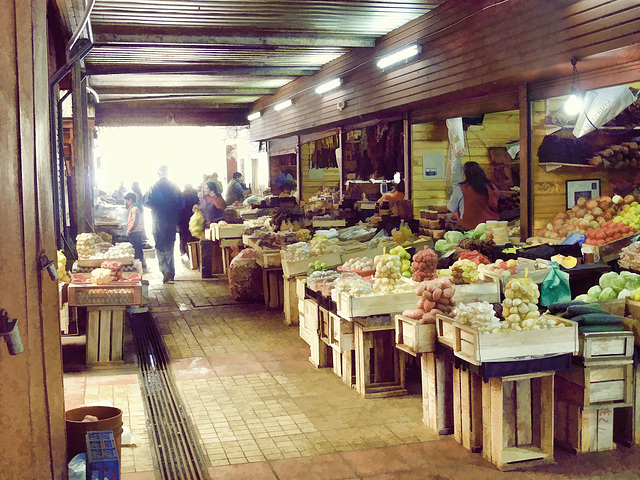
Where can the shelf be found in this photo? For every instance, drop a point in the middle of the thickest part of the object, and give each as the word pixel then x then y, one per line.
pixel 550 166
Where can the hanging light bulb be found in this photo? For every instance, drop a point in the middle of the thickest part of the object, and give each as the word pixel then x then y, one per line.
pixel 573 105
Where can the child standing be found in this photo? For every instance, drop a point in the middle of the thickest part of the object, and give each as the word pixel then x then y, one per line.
pixel 134 226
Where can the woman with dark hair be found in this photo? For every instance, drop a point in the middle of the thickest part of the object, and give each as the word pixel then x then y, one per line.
pixel 211 204
pixel 475 200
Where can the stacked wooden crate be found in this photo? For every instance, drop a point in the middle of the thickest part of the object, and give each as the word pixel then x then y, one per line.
pixel 433 220
pixel 600 382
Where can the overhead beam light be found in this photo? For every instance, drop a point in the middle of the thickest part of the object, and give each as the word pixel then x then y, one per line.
pixel 328 86
pixel 282 105
pixel 398 56
pixel 254 116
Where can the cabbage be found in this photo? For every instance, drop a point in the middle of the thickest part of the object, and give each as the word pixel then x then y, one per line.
pixel 583 298
pixel 477 232
pixel 453 236
pixel 594 292
pixel 442 245
pixel 608 293
pixel 632 280
pixel 624 293
pixel 612 280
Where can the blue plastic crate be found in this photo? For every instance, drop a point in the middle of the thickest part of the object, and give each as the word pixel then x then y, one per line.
pixel 102 456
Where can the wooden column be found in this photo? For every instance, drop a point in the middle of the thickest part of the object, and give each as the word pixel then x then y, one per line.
pixel 526 190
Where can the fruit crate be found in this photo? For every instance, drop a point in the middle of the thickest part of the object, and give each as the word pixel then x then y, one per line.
pixel 102 456
pixel 597 384
pixel 227 231
pixel 472 346
pixel 599 346
pixel 96 262
pixel 488 291
pixel 116 294
pixel 268 258
pixel 414 337
pixel 349 306
pixel 301 267
pixel 609 251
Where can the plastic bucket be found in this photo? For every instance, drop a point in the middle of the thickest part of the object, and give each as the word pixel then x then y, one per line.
pixel 109 418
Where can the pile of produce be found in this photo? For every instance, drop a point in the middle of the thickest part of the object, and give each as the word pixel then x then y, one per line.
pixel 85 244
pixel 452 238
pixel 424 265
pixel 473 255
pixel 611 285
pixel 589 317
pixel 624 155
pixel 436 297
pixel 509 200
pixel 115 268
pixel 464 271
pixel 505 269
pixel 402 233
pixel 405 258
pixel 387 273
pixel 317 266
pixel 479 315
pixel 485 247
pixel 608 232
pixel 635 295
pixel 62 268
pixel 320 244
pixel 358 264
pixel 520 306
pixel 583 215
pixel 196 222
pixel 303 235
pixel 101 276
pixel 354 285
pixel 120 250
pixel 630 257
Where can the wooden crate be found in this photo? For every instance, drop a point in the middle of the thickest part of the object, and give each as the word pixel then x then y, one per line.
pixel 517 420
pixel 115 294
pixel 273 287
pixel 324 325
pixel 627 419
pixel 467 408
pixel 105 333
pixel 321 353
pixel 268 258
pixel 193 251
pixel 614 307
pixel 340 333
pixel 291 269
pixel 470 345
pixel 209 234
pixel 363 252
pixel 350 307
pixel 609 251
pixel 414 337
pixel 488 291
pixel 309 320
pixel 328 223
pixel 581 430
pixel 290 299
pixel 301 284
pixel 349 367
pixel 437 393
pixel 96 262
pixel 379 365
pixel 230 242
pixel 601 383
pixel 211 259
pixel 596 346
pixel 228 231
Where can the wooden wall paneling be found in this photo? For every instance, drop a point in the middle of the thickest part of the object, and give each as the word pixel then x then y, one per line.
pixel 310 186
pixel 457 58
pixel 427 138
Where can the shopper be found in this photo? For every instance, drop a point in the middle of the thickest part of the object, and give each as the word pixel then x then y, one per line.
pixel 475 200
pixel 236 190
pixel 135 188
pixel 165 201
pixel 190 195
pixel 134 225
pixel 212 204
pixel 214 178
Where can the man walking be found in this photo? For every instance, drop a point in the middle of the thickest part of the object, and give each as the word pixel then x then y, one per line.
pixel 165 201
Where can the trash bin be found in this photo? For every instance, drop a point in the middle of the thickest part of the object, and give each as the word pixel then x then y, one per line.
pixel 109 418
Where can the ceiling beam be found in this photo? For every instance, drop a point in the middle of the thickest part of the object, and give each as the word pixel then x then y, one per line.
pixel 182 90
pixel 94 70
pixel 324 40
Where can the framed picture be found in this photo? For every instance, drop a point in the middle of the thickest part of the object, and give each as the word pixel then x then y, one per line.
pixel 582 188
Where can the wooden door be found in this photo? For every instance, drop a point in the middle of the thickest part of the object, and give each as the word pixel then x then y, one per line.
pixel 32 439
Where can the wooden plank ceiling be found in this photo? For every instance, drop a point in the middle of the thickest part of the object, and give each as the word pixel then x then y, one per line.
pixel 222 54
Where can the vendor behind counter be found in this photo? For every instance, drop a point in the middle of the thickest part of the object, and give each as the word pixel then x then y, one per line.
pixel 475 200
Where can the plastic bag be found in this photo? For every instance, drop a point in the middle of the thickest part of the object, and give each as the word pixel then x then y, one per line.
pixel 78 467
pixel 453 170
pixel 245 280
pixel 601 106
pixel 555 287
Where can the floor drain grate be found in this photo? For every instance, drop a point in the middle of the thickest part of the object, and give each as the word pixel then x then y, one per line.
pixel 173 439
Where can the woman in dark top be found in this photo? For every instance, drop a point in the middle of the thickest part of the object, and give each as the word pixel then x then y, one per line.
pixel 475 200
pixel 211 204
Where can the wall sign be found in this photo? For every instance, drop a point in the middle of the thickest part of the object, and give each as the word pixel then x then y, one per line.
pixel 433 166
pixel 582 188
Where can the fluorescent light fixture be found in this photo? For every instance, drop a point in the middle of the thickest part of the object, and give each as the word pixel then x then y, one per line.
pixel 254 116
pixel 327 86
pixel 282 105
pixel 399 56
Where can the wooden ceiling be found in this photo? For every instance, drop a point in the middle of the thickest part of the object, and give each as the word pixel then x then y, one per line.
pixel 221 55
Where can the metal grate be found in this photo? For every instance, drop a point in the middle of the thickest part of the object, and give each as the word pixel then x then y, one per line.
pixel 177 451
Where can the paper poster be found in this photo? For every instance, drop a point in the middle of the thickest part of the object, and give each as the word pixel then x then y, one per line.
pixel 433 166
pixel 316 173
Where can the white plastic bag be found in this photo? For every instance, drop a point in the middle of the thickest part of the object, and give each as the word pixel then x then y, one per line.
pixel 78 467
pixel 601 106
pixel 453 170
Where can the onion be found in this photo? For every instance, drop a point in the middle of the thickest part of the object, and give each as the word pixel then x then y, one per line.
pixel 591 204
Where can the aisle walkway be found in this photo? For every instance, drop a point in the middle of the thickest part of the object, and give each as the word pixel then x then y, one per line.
pixel 263 411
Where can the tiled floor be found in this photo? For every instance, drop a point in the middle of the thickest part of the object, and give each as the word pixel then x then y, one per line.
pixel 263 411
